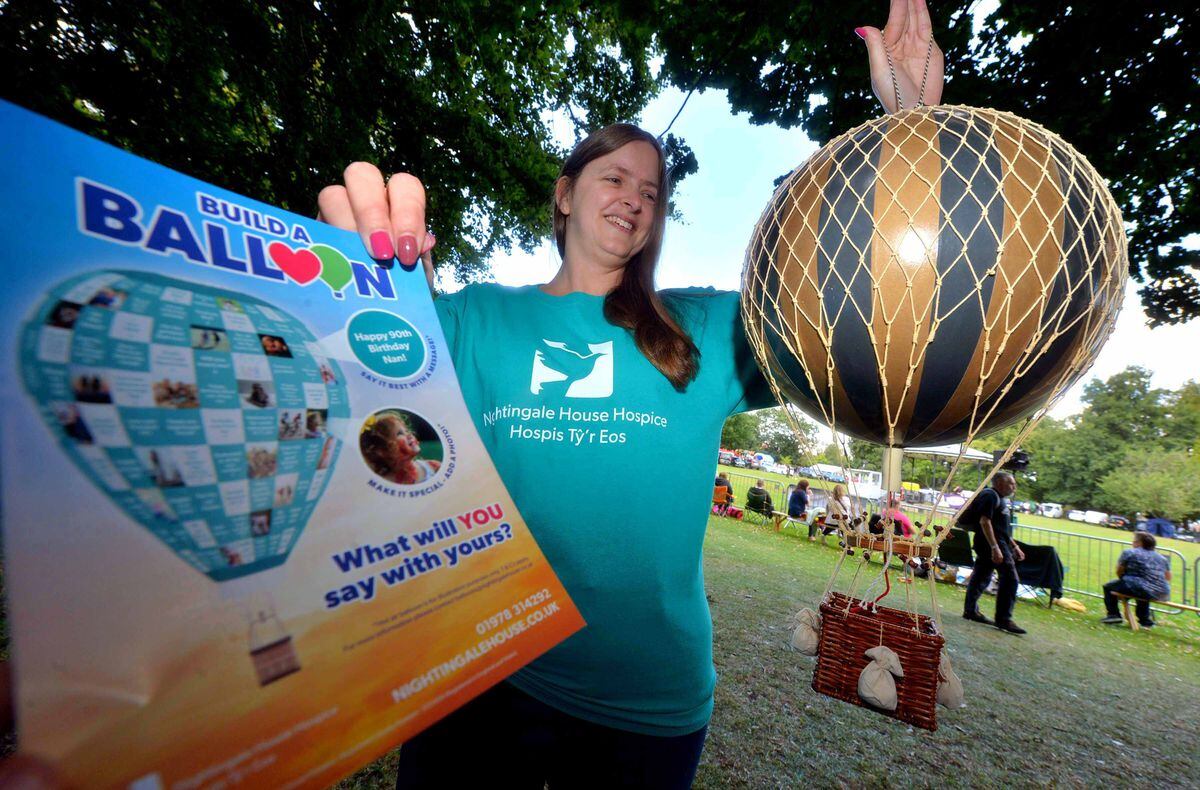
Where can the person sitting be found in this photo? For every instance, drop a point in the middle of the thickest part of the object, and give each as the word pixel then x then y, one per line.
pixel 1142 573
pixel 798 502
pixel 838 510
pixel 759 500
pixel 722 495
pixel 900 521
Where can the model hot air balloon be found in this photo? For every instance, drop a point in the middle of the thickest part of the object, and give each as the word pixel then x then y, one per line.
pixel 928 277
pixel 203 414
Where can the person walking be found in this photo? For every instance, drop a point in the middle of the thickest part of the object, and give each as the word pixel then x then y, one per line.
pixel 990 514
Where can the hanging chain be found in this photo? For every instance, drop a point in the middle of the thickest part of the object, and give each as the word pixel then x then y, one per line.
pixel 924 77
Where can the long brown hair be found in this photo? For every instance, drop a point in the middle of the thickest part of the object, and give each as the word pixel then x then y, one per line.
pixel 634 304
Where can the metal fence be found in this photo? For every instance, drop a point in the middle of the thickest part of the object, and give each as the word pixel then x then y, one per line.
pixel 1088 560
pixel 779 492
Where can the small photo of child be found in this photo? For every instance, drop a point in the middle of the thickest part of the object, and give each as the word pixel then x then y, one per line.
pixel 72 423
pixel 314 423
pixel 64 315
pixel 210 338
pixel 260 523
pixel 274 346
pixel 91 387
pixel 400 446
pixel 261 460
pixel 108 298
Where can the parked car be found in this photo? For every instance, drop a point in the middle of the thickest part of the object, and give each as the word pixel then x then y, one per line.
pixel 1119 522
pixel 1051 510
pixel 725 458
pixel 1077 515
pixel 740 462
pixel 1095 517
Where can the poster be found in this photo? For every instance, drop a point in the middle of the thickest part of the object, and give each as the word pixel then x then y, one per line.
pixel 250 533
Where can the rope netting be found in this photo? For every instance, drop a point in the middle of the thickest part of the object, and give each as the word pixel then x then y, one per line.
pixel 930 277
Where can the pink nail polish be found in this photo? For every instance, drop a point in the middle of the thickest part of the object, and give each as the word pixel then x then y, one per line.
pixel 381 246
pixel 406 249
pixel 862 32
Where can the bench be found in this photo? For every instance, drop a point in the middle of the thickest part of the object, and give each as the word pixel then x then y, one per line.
pixel 1126 599
pixel 781 518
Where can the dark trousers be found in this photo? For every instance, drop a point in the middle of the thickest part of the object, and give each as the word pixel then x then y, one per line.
pixel 1123 587
pixel 506 739
pixel 1006 595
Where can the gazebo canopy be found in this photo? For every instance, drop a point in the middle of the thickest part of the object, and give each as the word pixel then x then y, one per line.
pixel 949 451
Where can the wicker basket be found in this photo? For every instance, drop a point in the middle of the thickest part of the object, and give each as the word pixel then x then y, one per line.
pixel 848 630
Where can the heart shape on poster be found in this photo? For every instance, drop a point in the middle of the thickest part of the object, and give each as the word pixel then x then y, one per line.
pixel 300 265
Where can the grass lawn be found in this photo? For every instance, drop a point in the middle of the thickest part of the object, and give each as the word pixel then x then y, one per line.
pixel 1074 703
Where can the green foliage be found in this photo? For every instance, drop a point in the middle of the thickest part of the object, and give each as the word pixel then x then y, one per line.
pixel 780 440
pixel 1074 461
pixel 1163 482
pixel 740 432
pixel 274 100
pixel 831 454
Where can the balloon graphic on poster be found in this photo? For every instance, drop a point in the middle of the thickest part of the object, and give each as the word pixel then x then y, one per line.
pixel 209 417
pixel 335 267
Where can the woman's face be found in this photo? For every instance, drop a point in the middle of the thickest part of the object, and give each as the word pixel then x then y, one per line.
pixel 612 204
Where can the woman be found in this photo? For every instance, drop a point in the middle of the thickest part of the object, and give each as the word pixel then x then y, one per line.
pixel 1142 573
pixel 626 701
pixel 838 511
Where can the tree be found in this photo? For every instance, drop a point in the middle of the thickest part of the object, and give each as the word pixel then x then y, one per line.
pixel 274 100
pixel 831 454
pixel 1183 428
pixel 1163 482
pixel 740 432
pixel 1131 105
pixel 780 440
pixel 866 455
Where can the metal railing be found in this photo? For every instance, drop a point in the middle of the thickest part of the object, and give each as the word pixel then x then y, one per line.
pixel 1089 561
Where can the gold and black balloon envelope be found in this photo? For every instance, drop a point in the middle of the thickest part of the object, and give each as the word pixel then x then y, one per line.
pixel 933 275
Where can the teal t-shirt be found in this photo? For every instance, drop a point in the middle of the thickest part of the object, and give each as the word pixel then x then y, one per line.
pixel 612 469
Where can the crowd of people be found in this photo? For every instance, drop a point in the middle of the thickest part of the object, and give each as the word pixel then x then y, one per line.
pixel 1143 574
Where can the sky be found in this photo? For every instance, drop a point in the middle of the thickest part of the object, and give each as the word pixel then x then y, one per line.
pixel 722 202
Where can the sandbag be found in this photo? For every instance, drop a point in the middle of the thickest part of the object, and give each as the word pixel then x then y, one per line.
pixel 950 688
pixel 876 686
pixel 807 633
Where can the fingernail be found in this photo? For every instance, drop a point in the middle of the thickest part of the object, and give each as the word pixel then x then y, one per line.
pixel 381 246
pixel 862 32
pixel 406 249
pixel 430 242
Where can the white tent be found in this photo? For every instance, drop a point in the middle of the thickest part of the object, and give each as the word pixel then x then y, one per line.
pixel 949 451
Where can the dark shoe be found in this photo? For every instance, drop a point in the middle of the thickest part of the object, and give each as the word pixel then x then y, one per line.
pixel 1112 619
pixel 978 617
pixel 1146 625
pixel 1011 627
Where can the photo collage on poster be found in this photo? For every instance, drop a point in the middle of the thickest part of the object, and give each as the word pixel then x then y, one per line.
pixel 204 416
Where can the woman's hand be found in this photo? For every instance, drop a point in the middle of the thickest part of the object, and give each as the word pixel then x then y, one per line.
pixel 908 36
pixel 389 217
